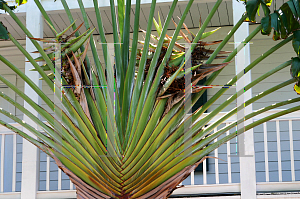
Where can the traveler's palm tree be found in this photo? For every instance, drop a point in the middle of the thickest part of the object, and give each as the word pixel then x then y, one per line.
pixel 122 128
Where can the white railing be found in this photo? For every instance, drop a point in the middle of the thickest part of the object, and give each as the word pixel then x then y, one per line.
pixel 289 120
pixel 59 183
pixel 212 181
pixel 263 186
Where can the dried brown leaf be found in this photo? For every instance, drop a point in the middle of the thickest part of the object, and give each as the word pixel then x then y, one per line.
pixel 72 34
pixel 77 65
pixel 186 28
pixel 85 50
pixel 76 77
pixel 84 105
pixel 182 34
pixel 203 43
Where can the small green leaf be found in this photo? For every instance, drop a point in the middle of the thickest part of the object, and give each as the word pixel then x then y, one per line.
pixel 268 2
pixel 121 15
pixel 258 10
pixel 65 30
pixel 296 4
pixel 175 60
pixel 292 7
pixel 296 41
pixel 50 75
pixel 252 8
pixel 288 13
pixel 44 67
pixel 4 2
pixel 20 2
pixel 3 32
pixel 297 88
pixel 266 25
pixel 159 22
pixel 295 68
pixel 283 26
pixel 206 34
pixel 178 38
pixel 265 8
pixel 295 72
pixel 274 21
pixel 157 27
pixel 284 21
pixel 275 24
pixel 52 28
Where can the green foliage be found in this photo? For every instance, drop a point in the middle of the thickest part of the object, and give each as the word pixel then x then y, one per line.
pixel 20 2
pixel 2 3
pixel 297 88
pixel 295 72
pixel 283 21
pixel 296 42
pixel 3 32
pixel 295 68
pixel 252 7
pixel 122 131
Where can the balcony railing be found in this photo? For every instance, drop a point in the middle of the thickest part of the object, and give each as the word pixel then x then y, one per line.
pixel 277 162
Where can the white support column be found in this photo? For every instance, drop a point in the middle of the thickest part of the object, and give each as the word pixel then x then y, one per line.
pixel 30 159
pixel 246 142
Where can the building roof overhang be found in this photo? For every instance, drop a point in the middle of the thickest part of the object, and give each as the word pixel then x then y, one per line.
pixel 223 17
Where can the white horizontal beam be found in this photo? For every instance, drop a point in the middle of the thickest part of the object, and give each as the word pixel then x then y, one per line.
pixel 56 194
pixel 215 197
pixel 10 195
pixel 277 186
pixel 271 196
pixel 208 189
pixel 72 194
pixel 279 196
pixel 235 188
pixel 49 5
pixel 65 194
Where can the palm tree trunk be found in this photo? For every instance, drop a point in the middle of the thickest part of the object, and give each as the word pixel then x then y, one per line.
pixel 163 191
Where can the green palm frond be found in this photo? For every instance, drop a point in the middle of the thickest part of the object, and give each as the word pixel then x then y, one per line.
pixel 122 130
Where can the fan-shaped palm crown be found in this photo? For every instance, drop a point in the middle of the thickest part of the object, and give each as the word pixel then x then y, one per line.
pixel 124 130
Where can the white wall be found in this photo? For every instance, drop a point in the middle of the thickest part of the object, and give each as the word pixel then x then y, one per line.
pixel 14 56
pixel 259 45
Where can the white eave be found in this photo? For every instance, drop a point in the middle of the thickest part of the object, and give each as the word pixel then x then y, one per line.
pixel 49 5
pixel 223 17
